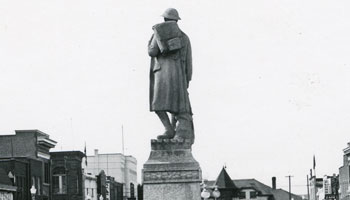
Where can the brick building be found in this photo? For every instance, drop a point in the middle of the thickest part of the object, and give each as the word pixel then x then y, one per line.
pixel 114 189
pixel 25 158
pixel 67 175
pixel 344 175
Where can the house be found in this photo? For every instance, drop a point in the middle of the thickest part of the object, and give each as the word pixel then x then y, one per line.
pixel 247 189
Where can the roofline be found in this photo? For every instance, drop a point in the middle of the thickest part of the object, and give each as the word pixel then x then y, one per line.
pixel 111 154
pixel 31 130
pixel 67 152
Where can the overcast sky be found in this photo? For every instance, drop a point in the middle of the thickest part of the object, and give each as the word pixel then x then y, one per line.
pixel 270 83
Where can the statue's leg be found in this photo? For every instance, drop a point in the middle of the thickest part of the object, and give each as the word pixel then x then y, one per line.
pixel 169 130
pixel 184 129
pixel 173 121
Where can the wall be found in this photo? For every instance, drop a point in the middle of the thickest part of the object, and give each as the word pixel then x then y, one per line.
pixel 90 187
pixel 19 145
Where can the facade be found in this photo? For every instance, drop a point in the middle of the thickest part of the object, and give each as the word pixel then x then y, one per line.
pixel 25 158
pixel 326 188
pixel 344 175
pixel 67 176
pixel 90 187
pixel 316 185
pixel 69 181
pixel 7 189
pixel 114 189
pixel 122 168
pixel 247 189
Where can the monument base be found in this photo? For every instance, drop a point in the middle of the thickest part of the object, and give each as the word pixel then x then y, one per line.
pixel 171 172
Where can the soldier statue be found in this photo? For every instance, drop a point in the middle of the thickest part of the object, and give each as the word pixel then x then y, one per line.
pixel 170 75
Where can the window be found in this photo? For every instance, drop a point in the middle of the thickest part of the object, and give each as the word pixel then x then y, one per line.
pixel 59 184
pixel 33 182
pixel 253 195
pixel 132 190
pixel 39 185
pixel 59 181
pixel 241 195
pixel 46 173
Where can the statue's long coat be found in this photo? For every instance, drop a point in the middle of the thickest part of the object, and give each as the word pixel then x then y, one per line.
pixel 169 77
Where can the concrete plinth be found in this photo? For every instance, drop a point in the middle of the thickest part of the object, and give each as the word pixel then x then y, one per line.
pixel 171 172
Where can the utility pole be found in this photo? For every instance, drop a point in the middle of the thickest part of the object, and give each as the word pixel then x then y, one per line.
pixel 290 192
pixel 307 184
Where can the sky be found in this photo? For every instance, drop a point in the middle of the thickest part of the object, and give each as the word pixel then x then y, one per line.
pixel 270 85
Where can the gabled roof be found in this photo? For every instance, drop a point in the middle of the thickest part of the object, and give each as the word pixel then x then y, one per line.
pixel 263 189
pixel 254 184
pixel 278 194
pixel 224 181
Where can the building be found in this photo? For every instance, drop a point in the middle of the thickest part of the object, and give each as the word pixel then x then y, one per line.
pixel 108 188
pixel 226 186
pixel 316 185
pixel 69 181
pixel 344 175
pixel 67 175
pixel 7 189
pixel 114 189
pixel 25 158
pixel 247 189
pixel 90 187
pixel 122 168
pixel 326 188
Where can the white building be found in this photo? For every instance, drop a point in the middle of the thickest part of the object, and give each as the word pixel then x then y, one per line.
pixel 123 168
pixel 90 187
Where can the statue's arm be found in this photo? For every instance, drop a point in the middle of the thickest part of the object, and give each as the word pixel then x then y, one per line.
pixel 189 63
pixel 153 49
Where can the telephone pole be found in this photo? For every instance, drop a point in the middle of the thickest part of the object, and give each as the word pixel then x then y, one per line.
pixel 290 190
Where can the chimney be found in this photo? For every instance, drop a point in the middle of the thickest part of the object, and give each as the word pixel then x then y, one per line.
pixel 274 183
pixel 96 152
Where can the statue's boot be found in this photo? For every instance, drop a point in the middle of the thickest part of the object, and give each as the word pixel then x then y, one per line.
pixel 184 129
pixel 167 135
pixel 169 130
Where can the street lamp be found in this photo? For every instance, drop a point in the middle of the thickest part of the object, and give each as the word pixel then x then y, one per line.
pixel 33 191
pixel 216 192
pixel 205 194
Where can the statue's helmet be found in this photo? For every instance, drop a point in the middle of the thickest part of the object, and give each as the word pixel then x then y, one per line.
pixel 171 13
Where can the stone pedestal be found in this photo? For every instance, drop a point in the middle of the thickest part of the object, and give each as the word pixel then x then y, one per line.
pixel 171 172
